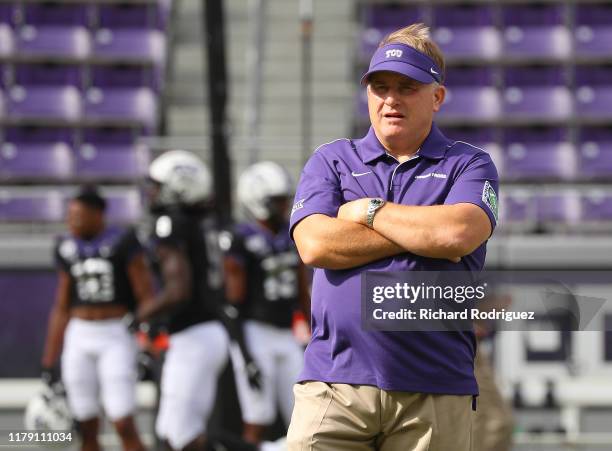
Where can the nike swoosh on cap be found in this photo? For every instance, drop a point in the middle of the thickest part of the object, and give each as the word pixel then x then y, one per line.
pixel 354 174
pixel 431 69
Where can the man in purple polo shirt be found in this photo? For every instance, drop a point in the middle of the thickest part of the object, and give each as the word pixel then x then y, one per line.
pixel 403 198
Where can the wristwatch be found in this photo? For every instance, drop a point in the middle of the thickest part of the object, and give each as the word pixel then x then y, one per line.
pixel 373 206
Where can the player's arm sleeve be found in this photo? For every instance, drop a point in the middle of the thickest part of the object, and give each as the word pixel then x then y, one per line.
pixel 131 246
pixel 318 191
pixel 477 184
pixel 60 262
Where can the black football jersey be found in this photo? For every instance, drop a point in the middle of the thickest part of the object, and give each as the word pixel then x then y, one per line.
pixel 98 268
pixel 271 263
pixel 199 239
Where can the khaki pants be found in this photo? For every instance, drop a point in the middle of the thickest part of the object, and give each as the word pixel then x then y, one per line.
pixel 493 422
pixel 341 417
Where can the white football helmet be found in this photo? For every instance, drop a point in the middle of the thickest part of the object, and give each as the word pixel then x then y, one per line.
pixel 48 411
pixel 261 182
pixel 183 178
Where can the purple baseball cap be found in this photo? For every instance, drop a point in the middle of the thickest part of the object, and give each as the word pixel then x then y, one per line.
pixel 405 60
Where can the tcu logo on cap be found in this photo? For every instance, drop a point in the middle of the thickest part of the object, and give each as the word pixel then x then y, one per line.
pixel 394 52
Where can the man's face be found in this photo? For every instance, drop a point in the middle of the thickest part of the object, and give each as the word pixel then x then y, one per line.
pixel 83 221
pixel 401 107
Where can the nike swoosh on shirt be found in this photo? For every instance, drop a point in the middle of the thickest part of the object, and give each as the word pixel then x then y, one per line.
pixel 354 174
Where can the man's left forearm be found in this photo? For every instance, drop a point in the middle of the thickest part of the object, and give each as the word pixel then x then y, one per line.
pixel 437 231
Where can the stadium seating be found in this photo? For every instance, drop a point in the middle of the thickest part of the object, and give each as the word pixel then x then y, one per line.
pixel 467 31
pixel 35 162
pixel 117 106
pixel 111 162
pixel 594 92
pixel 595 154
pixel 7 43
pixel 80 83
pixel 134 16
pixel 557 209
pixel 536 94
pixel 55 13
pixel 593 33
pixel 70 42
pixel 124 206
pixel 517 211
pixel 535 31
pixel 380 19
pixel 471 96
pixel 596 207
pixel 538 155
pixel 47 74
pixel 44 103
pixel 46 205
pixel 42 205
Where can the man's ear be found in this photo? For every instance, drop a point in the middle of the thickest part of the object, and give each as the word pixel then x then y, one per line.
pixel 439 95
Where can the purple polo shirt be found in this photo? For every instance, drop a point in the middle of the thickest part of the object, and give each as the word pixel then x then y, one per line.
pixel 443 172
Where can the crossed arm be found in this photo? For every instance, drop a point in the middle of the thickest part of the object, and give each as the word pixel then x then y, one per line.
pixel 438 231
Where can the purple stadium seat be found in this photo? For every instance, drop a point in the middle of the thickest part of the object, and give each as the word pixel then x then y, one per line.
pixel 594 91
pixel 4 76
pixel 380 20
pixel 596 206
pixel 134 44
pixel 109 136
pixel 536 31
pixel 539 161
pixel 480 42
pixel 394 16
pixel 126 15
pixel 124 207
pixel 122 104
pixel 593 35
pixel 123 75
pixel 20 205
pixel 7 44
pixel 112 162
pixel 537 93
pixel 558 208
pixel 54 41
pixel 37 161
pixel 545 42
pixel 470 103
pixel 38 135
pixel 56 13
pixel 52 102
pixel 7 13
pixel 595 153
pixel 470 96
pixel 466 31
pixel 517 210
pixel 48 74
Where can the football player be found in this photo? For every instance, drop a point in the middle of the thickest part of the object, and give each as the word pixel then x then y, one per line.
pixel 265 281
pixel 102 274
pixel 184 244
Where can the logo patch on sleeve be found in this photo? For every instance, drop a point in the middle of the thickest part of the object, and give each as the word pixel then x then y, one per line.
pixel 297 206
pixel 489 197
